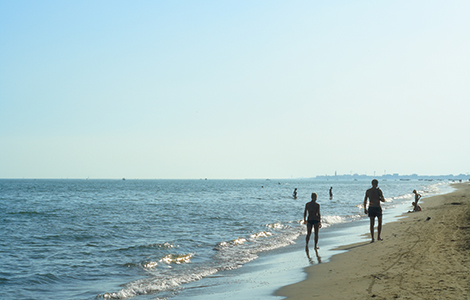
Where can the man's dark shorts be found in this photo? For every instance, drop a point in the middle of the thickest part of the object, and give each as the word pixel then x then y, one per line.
pixel 313 222
pixel 375 212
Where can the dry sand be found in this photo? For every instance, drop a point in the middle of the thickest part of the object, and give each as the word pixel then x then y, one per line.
pixel 423 256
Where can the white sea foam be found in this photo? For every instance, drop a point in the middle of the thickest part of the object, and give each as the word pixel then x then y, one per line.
pixel 330 220
pixel 150 264
pixel 277 225
pixel 239 241
pixel 156 284
pixel 234 254
pixel 261 234
pixel 221 245
pixel 177 258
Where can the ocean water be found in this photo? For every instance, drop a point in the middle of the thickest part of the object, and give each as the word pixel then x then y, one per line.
pixel 151 239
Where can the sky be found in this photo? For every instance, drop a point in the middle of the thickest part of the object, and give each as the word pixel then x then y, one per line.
pixel 233 89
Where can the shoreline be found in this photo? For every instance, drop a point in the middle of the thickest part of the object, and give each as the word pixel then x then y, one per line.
pixel 272 270
pixel 424 255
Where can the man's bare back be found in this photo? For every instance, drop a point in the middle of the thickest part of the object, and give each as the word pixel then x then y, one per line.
pixel 375 196
pixel 313 210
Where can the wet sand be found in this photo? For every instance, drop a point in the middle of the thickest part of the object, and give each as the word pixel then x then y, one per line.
pixel 425 255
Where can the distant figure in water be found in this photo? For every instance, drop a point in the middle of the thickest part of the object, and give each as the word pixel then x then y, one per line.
pixel 312 208
pixel 295 193
pixel 375 196
pixel 417 197
pixel 331 193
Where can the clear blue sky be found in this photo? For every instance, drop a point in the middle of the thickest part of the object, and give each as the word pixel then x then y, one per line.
pixel 233 89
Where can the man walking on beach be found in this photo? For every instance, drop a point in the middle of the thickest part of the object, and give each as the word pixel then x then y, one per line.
pixel 375 196
pixel 313 220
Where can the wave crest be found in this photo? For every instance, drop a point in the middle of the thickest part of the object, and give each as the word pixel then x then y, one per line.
pixel 177 258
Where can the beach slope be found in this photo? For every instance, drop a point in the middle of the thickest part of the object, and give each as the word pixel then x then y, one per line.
pixel 425 255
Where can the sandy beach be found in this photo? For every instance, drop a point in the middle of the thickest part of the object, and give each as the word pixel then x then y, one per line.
pixel 424 255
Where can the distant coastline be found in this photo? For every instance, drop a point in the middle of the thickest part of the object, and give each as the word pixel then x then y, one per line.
pixel 450 177
pixel 396 176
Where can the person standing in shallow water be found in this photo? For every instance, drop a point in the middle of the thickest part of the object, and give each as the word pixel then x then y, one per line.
pixel 312 208
pixel 331 193
pixel 294 194
pixel 375 196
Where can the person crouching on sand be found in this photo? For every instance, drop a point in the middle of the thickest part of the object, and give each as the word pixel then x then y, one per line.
pixel 417 197
pixel 415 207
pixel 313 220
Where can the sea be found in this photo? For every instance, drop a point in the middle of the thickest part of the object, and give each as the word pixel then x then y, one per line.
pixel 174 239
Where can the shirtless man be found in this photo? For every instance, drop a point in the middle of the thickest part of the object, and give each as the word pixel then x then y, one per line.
pixel 314 219
pixel 375 196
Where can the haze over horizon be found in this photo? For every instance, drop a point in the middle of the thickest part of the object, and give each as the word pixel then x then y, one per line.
pixel 233 89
